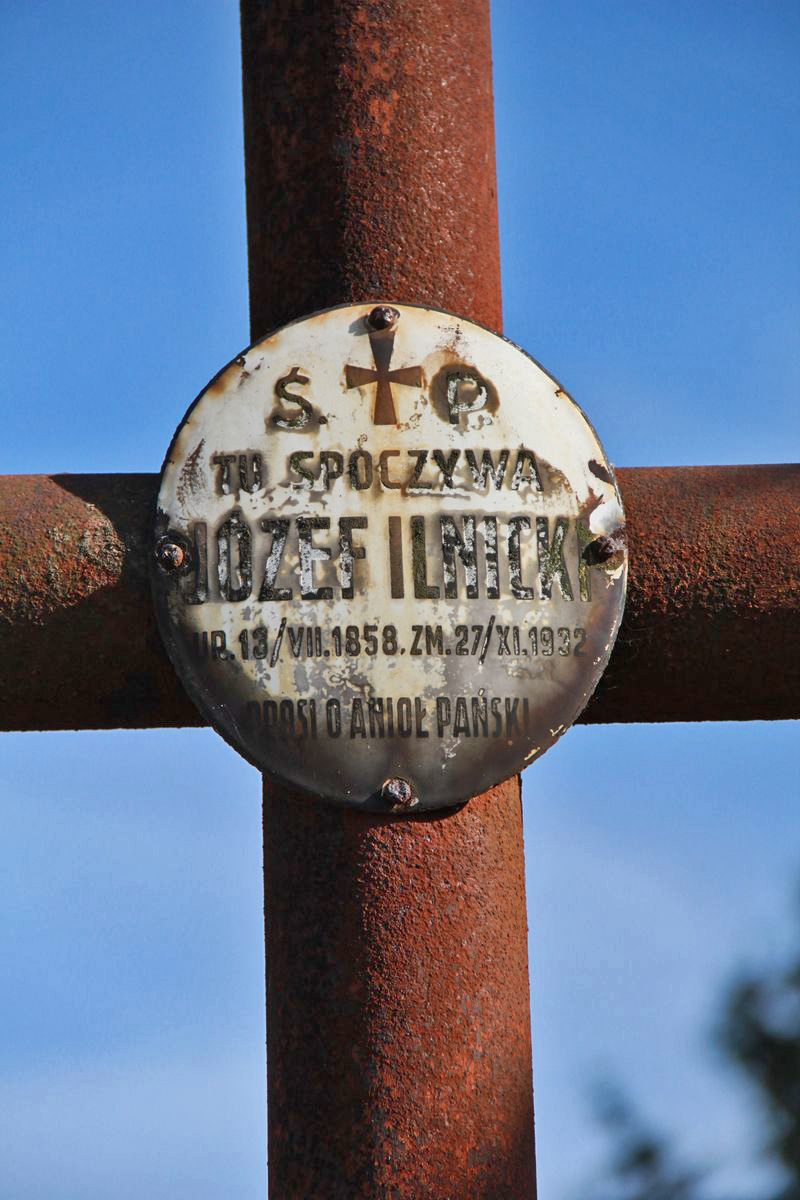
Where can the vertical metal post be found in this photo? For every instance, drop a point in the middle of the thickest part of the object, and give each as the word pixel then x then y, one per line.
pixel 397 979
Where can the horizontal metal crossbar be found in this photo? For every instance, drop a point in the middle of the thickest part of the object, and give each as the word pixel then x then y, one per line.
pixel 711 629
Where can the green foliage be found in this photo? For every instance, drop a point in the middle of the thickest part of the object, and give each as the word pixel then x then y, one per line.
pixel 643 1165
pixel 759 1032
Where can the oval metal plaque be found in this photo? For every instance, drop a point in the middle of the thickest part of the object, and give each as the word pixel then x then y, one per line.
pixel 389 559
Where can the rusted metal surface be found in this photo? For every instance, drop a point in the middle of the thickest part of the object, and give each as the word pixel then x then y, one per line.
pixel 711 629
pixel 78 641
pixel 369 156
pixel 398 1012
pixel 712 625
pixel 397 1003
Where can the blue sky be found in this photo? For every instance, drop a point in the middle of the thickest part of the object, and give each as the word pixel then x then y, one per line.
pixel 648 179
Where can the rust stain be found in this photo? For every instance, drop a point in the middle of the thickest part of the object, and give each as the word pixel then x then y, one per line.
pixel 190 477
pixel 599 471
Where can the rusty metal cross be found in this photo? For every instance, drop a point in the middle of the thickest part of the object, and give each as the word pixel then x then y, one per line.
pixel 382 344
pixel 399 1019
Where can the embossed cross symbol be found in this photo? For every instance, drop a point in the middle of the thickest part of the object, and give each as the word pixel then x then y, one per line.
pixel 382 344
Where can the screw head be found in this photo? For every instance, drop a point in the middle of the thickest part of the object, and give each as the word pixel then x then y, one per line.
pixel 605 547
pixel 399 794
pixel 170 556
pixel 383 317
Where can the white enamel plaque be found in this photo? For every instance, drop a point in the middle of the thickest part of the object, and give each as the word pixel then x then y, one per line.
pixel 389 559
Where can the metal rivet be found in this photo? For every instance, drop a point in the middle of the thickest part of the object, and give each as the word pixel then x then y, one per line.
pixel 399 794
pixel 605 547
pixel 383 317
pixel 170 556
